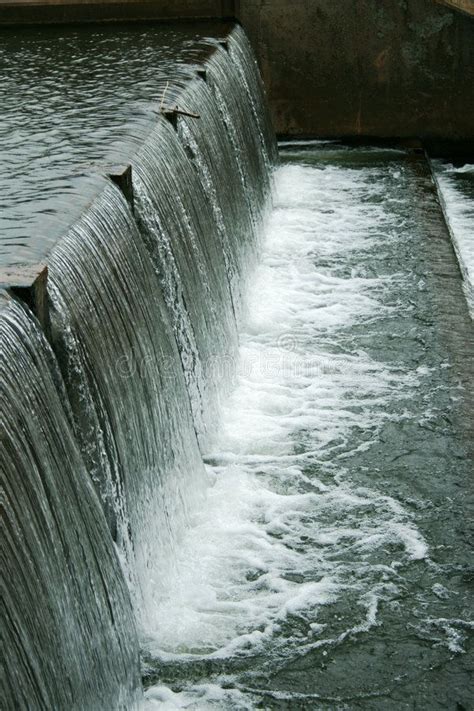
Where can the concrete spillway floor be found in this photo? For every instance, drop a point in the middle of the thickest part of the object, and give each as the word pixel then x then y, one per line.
pixel 330 565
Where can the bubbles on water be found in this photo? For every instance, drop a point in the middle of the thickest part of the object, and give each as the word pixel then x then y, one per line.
pixel 442 632
pixel 289 554
pixel 198 696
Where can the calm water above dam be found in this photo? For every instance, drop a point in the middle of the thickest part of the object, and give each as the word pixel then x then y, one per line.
pixel 73 103
pixel 329 567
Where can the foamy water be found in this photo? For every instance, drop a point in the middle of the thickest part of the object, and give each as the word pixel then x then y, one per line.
pixel 289 553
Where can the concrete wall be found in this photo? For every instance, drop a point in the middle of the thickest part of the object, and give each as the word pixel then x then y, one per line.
pixel 365 67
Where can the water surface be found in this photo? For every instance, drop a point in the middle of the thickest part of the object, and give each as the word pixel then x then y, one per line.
pixel 329 567
pixel 74 102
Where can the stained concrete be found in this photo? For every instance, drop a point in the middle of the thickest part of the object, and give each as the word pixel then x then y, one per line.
pixel 13 12
pixel 29 283
pixel 365 67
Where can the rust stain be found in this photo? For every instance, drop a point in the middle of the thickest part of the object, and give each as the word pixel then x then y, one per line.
pixel 381 64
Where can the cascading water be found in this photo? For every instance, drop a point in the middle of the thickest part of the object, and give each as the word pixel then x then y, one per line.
pixel 130 403
pixel 220 161
pixel 186 251
pixel 251 140
pixel 63 592
pixel 130 391
pixel 249 90
pixel 202 235
pixel 144 304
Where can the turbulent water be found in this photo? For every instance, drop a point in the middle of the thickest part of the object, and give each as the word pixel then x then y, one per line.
pixel 329 565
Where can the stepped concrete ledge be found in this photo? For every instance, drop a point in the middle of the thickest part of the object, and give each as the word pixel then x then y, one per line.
pixel 121 175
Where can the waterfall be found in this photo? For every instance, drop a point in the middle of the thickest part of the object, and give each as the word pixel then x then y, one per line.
pixel 145 299
pixel 144 322
pixel 130 404
pixel 200 189
pixel 64 595
pixel 188 258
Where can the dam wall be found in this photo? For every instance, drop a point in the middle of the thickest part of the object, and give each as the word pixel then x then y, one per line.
pixel 14 12
pixel 114 351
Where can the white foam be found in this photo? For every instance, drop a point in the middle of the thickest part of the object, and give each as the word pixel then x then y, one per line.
pixel 198 696
pixel 446 632
pixel 467 168
pixel 305 142
pixel 282 518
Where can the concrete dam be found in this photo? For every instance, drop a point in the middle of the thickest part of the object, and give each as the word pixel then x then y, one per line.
pixel 236 335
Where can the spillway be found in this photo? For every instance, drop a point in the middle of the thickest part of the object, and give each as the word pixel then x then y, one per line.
pixel 237 395
pixel 144 299
pixel 68 630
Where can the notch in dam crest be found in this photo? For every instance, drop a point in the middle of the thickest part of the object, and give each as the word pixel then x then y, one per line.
pixel 29 283
pixel 171 116
pixel 121 176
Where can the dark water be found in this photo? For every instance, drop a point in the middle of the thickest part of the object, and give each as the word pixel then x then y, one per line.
pixel 73 102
